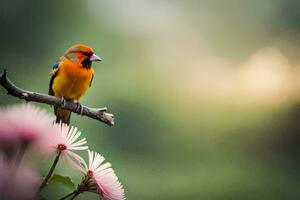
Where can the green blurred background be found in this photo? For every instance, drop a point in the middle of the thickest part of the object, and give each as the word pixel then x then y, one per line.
pixel 205 93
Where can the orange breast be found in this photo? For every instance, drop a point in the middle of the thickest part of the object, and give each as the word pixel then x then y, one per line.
pixel 72 81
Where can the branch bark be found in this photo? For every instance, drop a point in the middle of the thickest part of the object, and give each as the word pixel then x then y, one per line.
pixel 95 113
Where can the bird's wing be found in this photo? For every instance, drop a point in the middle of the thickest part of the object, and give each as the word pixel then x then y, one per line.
pixel 56 64
pixel 92 77
pixel 54 73
pixel 91 80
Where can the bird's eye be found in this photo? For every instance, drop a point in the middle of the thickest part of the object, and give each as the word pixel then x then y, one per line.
pixel 87 53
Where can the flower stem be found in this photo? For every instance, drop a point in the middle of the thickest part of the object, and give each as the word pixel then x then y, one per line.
pixel 44 183
pixel 76 194
pixel 68 195
pixel 82 187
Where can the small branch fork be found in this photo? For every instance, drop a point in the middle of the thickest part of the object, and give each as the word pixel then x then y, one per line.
pixel 95 113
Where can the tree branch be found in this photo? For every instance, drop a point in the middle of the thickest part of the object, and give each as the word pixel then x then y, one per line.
pixel 95 113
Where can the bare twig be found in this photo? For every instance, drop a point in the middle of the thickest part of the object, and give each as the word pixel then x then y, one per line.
pixel 95 113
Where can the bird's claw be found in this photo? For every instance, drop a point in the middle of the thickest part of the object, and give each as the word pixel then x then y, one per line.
pixel 62 102
pixel 79 108
pixel 102 109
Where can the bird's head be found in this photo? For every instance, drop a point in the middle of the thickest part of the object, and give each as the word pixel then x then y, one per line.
pixel 82 54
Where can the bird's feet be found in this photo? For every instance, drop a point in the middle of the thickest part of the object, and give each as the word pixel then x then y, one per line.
pixel 102 109
pixel 62 102
pixel 79 108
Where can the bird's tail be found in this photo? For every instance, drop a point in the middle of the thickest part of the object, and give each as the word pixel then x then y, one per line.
pixel 62 115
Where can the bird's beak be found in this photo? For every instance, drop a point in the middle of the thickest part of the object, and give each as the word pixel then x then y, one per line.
pixel 94 57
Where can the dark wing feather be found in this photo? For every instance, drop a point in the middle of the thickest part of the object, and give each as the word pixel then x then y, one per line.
pixel 91 80
pixel 54 74
pixel 56 65
pixel 51 92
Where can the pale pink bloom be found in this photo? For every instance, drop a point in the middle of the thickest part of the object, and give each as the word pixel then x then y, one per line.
pixel 24 124
pixel 25 120
pixel 103 176
pixel 18 183
pixel 65 141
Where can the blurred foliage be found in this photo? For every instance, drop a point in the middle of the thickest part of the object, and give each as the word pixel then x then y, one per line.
pixel 172 138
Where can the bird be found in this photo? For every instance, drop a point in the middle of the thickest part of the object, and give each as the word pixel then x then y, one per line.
pixel 71 76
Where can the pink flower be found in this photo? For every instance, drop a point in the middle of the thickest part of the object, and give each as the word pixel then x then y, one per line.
pixel 25 120
pixel 24 124
pixel 18 183
pixel 103 177
pixel 65 141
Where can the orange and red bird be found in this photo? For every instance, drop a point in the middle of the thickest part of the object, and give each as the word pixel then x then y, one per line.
pixel 71 76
